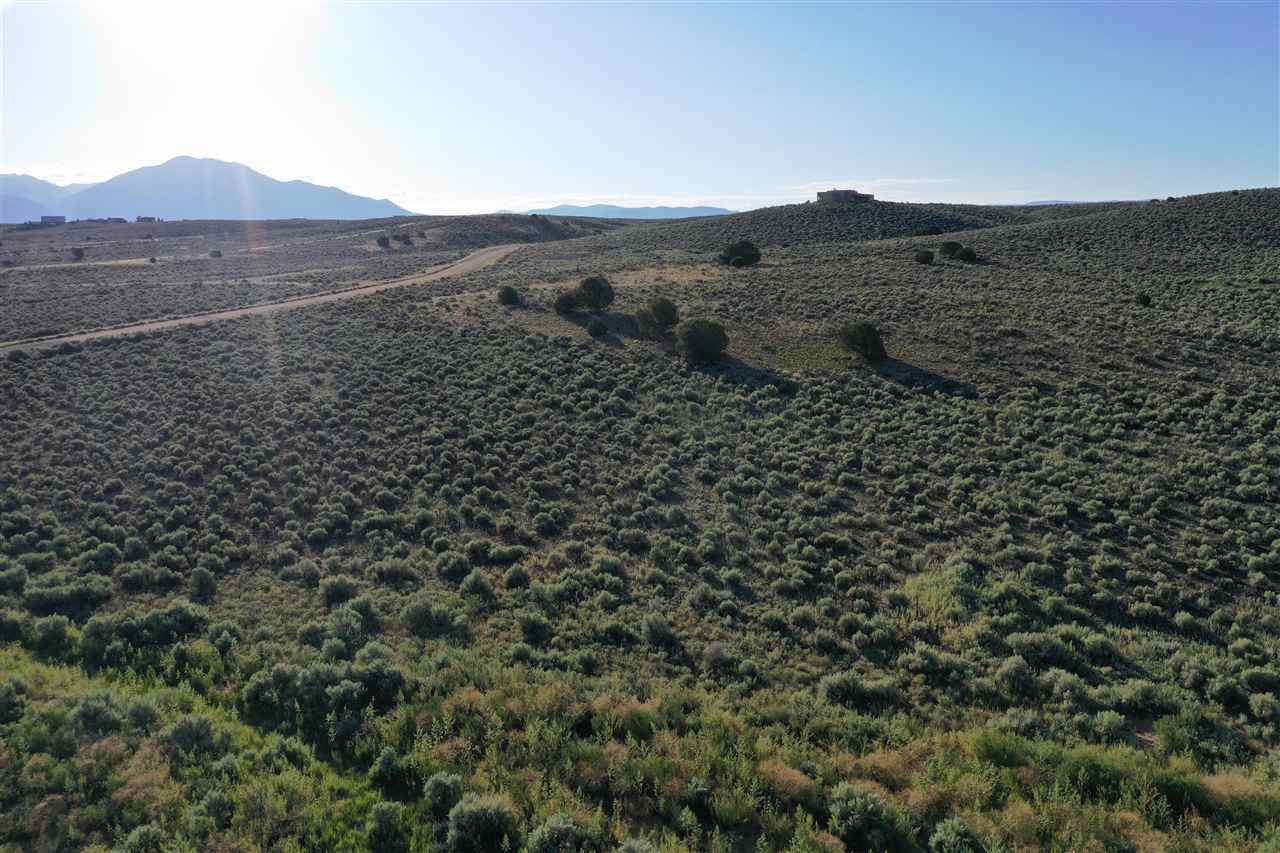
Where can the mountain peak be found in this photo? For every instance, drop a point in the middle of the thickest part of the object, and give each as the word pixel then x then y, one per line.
pixel 186 187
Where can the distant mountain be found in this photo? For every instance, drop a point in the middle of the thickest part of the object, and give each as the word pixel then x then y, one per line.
pixel 188 188
pixel 610 211
pixel 21 192
pixel 16 208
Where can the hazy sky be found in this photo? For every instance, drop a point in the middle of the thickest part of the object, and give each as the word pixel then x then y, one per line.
pixel 467 108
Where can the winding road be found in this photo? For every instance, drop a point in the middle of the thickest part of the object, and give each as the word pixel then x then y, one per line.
pixel 472 262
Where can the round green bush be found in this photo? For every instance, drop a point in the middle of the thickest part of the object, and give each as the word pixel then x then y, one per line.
pixel 508 295
pixel 483 824
pixel 597 328
pixel 924 256
pixel 426 619
pixel 203 585
pixel 147 838
pixel 386 828
pixel 968 255
pixel 953 835
pixel 950 249
pixel 740 254
pixel 665 312
pixel 702 340
pixel 559 834
pixel 441 793
pixel 478 585
pixel 1144 300
pixel 861 819
pixel 384 242
pixel 595 293
pixel 864 339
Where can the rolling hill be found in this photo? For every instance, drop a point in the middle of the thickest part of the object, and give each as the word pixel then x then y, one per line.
pixel 362 575
pixel 801 224
pixel 613 211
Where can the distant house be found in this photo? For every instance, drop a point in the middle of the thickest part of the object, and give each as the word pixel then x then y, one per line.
pixel 146 219
pixel 844 196
pixel 53 220
pixel 116 219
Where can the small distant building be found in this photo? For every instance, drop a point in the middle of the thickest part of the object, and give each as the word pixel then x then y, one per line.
pixel 146 219
pixel 844 196
pixel 53 220
pixel 116 219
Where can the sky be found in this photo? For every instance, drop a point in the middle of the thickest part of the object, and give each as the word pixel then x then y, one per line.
pixel 467 108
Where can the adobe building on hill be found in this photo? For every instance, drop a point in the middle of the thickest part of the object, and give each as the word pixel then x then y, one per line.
pixel 844 196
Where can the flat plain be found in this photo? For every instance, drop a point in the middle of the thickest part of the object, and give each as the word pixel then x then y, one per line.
pixel 421 570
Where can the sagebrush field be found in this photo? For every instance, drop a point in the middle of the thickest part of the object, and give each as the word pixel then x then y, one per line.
pixel 431 570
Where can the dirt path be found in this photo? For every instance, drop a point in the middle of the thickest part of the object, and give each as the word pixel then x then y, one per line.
pixel 472 262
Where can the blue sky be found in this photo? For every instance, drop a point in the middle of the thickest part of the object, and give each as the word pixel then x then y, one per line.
pixel 470 108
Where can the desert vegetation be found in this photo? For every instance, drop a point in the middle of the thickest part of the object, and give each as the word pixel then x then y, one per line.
pixel 419 572
pixel 130 275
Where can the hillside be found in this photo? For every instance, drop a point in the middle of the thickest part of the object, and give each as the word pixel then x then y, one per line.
pixel 354 576
pixel 613 211
pixel 800 224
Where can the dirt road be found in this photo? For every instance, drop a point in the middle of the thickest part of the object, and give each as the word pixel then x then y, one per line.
pixel 472 262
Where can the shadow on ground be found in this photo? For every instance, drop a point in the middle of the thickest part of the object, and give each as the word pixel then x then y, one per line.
pixel 913 376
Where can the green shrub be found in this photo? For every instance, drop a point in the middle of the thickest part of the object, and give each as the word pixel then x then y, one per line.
pixel 429 619
pixel 535 629
pixel 384 242
pixel 597 328
pixel 968 255
pixel 77 254
pixel 862 820
pixel 636 845
pixel 924 256
pixel 658 632
pixel 1144 300
pixel 864 339
pixel 953 835
pixel 203 585
pixel 216 253
pixel 740 254
pixel 441 793
pixel 483 824
pixel 508 295
pixel 559 834
pixel 51 636
pixel 950 249
pixel 595 293
pixel 476 584
pixel 702 341
pixel 850 690
pixel 337 589
pixel 665 312
pixel 386 828
pixel 12 701
pixel 147 838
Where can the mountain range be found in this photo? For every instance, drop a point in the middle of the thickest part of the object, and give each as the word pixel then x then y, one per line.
pixel 610 211
pixel 187 188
